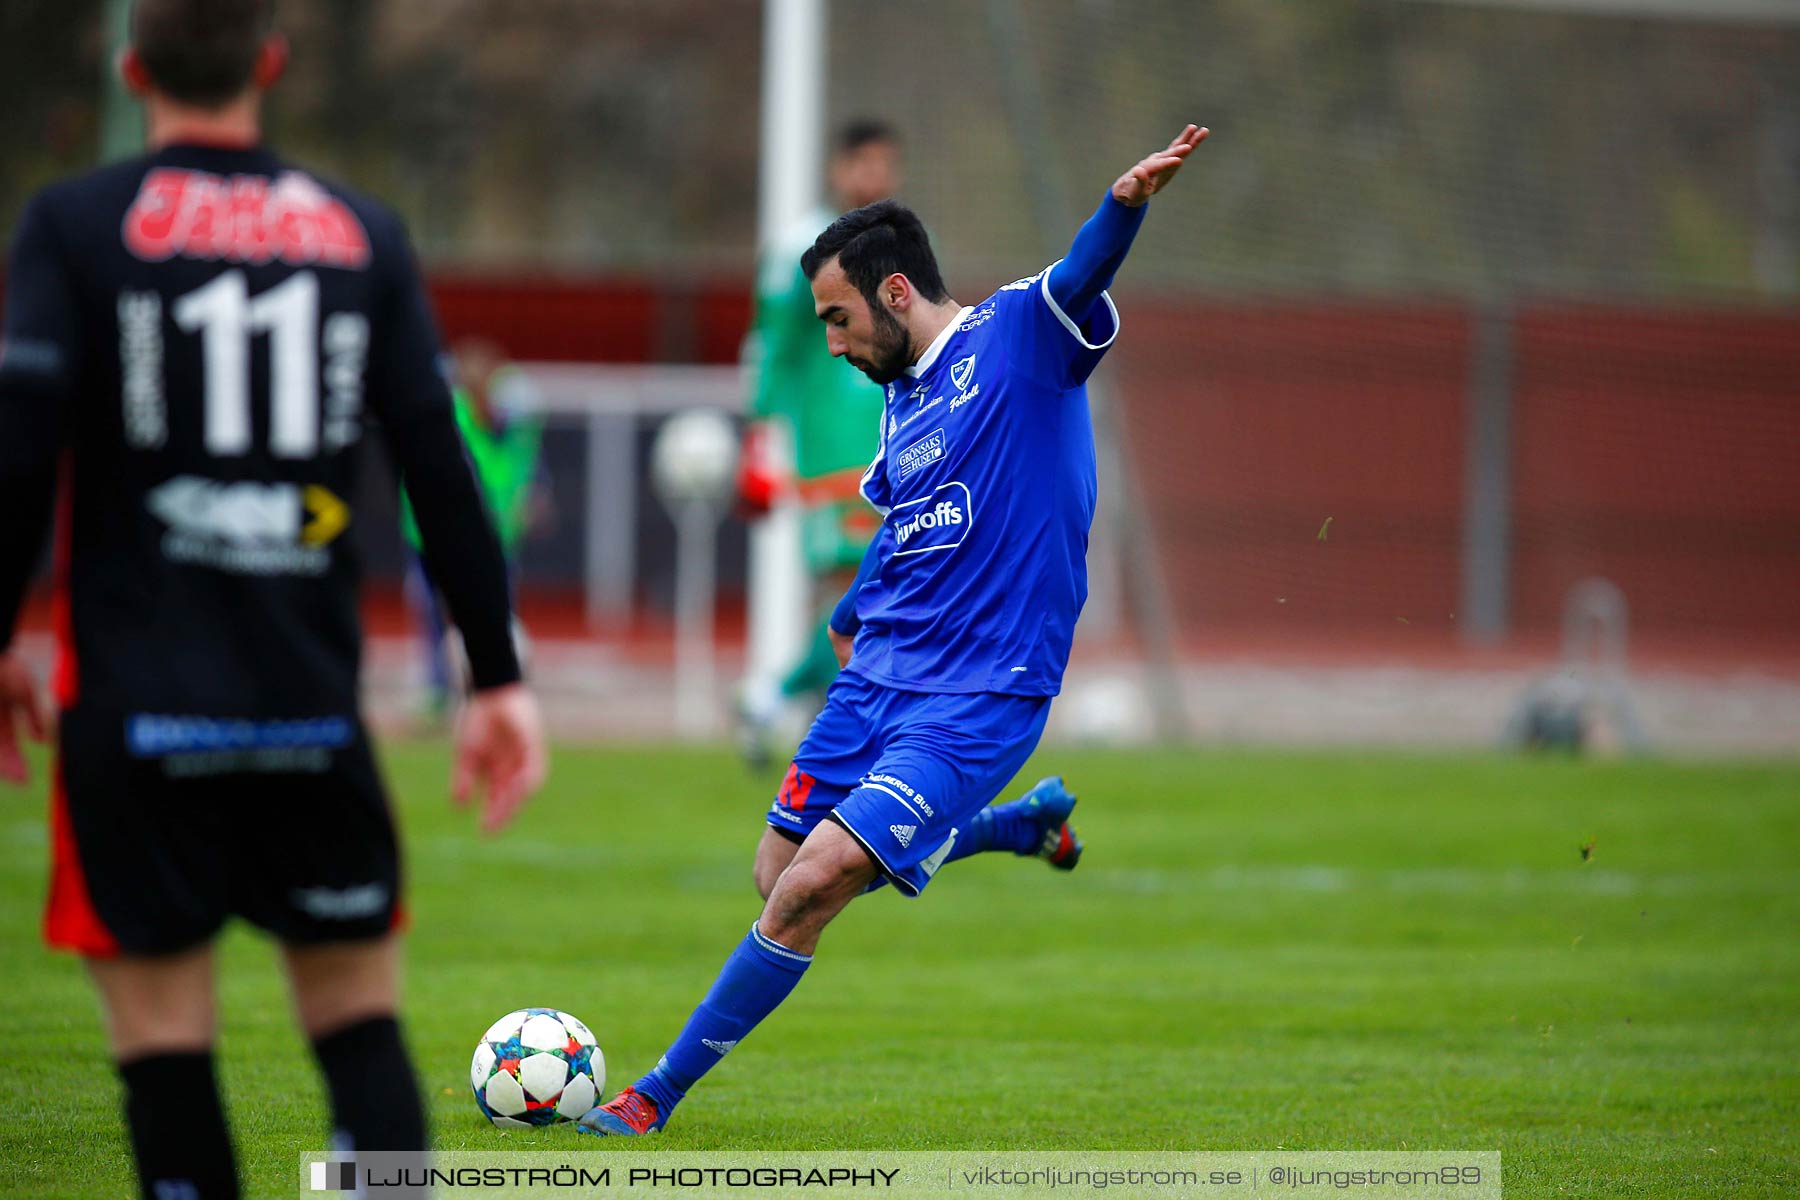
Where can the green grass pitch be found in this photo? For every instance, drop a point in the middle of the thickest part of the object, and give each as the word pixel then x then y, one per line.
pixel 1260 951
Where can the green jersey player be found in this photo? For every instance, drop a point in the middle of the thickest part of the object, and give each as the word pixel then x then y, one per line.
pixel 828 409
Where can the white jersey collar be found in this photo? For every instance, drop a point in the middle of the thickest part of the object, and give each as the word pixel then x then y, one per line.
pixel 938 343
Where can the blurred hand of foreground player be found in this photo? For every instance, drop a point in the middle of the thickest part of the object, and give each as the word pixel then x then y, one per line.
pixel 841 645
pixel 19 697
pixel 1153 174
pixel 499 753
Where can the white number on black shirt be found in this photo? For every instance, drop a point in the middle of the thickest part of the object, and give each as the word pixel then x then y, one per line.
pixel 226 317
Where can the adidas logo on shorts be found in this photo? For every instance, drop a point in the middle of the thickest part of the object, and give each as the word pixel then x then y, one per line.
pixel 903 834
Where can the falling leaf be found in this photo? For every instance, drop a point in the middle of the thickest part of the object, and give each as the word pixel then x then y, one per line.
pixel 1587 850
pixel 1403 620
pixel 1281 599
pixel 1324 528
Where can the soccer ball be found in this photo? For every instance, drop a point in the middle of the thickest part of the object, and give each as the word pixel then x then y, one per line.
pixel 694 458
pixel 537 1066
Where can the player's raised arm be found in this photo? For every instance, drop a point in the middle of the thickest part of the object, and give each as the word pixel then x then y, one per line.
pixel 1154 171
pixel 1100 248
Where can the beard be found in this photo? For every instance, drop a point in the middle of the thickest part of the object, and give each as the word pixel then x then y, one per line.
pixel 892 352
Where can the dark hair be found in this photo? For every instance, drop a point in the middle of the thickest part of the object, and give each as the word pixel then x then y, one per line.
pixel 873 242
pixel 863 131
pixel 201 51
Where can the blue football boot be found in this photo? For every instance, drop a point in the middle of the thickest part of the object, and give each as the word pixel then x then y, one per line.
pixel 1049 804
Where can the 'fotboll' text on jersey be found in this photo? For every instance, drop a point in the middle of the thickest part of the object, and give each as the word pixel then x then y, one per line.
pixel 985 472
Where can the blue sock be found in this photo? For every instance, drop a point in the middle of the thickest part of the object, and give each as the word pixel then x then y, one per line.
pixel 755 979
pixel 998 827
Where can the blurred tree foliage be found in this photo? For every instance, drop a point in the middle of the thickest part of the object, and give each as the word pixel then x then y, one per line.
pixel 1361 145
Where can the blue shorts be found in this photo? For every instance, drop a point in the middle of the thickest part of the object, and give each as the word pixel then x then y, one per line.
pixel 902 771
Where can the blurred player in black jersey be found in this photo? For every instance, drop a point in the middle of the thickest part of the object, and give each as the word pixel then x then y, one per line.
pixel 191 342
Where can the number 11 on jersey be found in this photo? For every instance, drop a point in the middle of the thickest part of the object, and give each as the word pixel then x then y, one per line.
pixel 225 316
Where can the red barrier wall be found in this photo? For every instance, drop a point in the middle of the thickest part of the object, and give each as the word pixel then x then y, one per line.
pixel 1249 427
pixel 1658 449
pixel 613 320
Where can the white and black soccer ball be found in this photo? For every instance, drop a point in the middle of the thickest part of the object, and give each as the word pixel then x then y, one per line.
pixel 536 1066
pixel 694 458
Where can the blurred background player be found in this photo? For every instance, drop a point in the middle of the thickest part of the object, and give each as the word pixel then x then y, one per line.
pixel 504 436
pixel 823 413
pixel 190 339
pixel 964 609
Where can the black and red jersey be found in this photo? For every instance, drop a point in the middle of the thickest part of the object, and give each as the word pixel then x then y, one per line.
pixel 194 344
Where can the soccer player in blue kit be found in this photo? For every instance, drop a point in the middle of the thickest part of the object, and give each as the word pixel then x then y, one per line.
pixel 964 609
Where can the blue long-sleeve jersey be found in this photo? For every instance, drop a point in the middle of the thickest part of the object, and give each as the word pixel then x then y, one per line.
pixel 985 475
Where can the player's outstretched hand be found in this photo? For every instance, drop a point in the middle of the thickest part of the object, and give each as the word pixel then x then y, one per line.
pixel 1152 175
pixel 19 698
pixel 499 752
